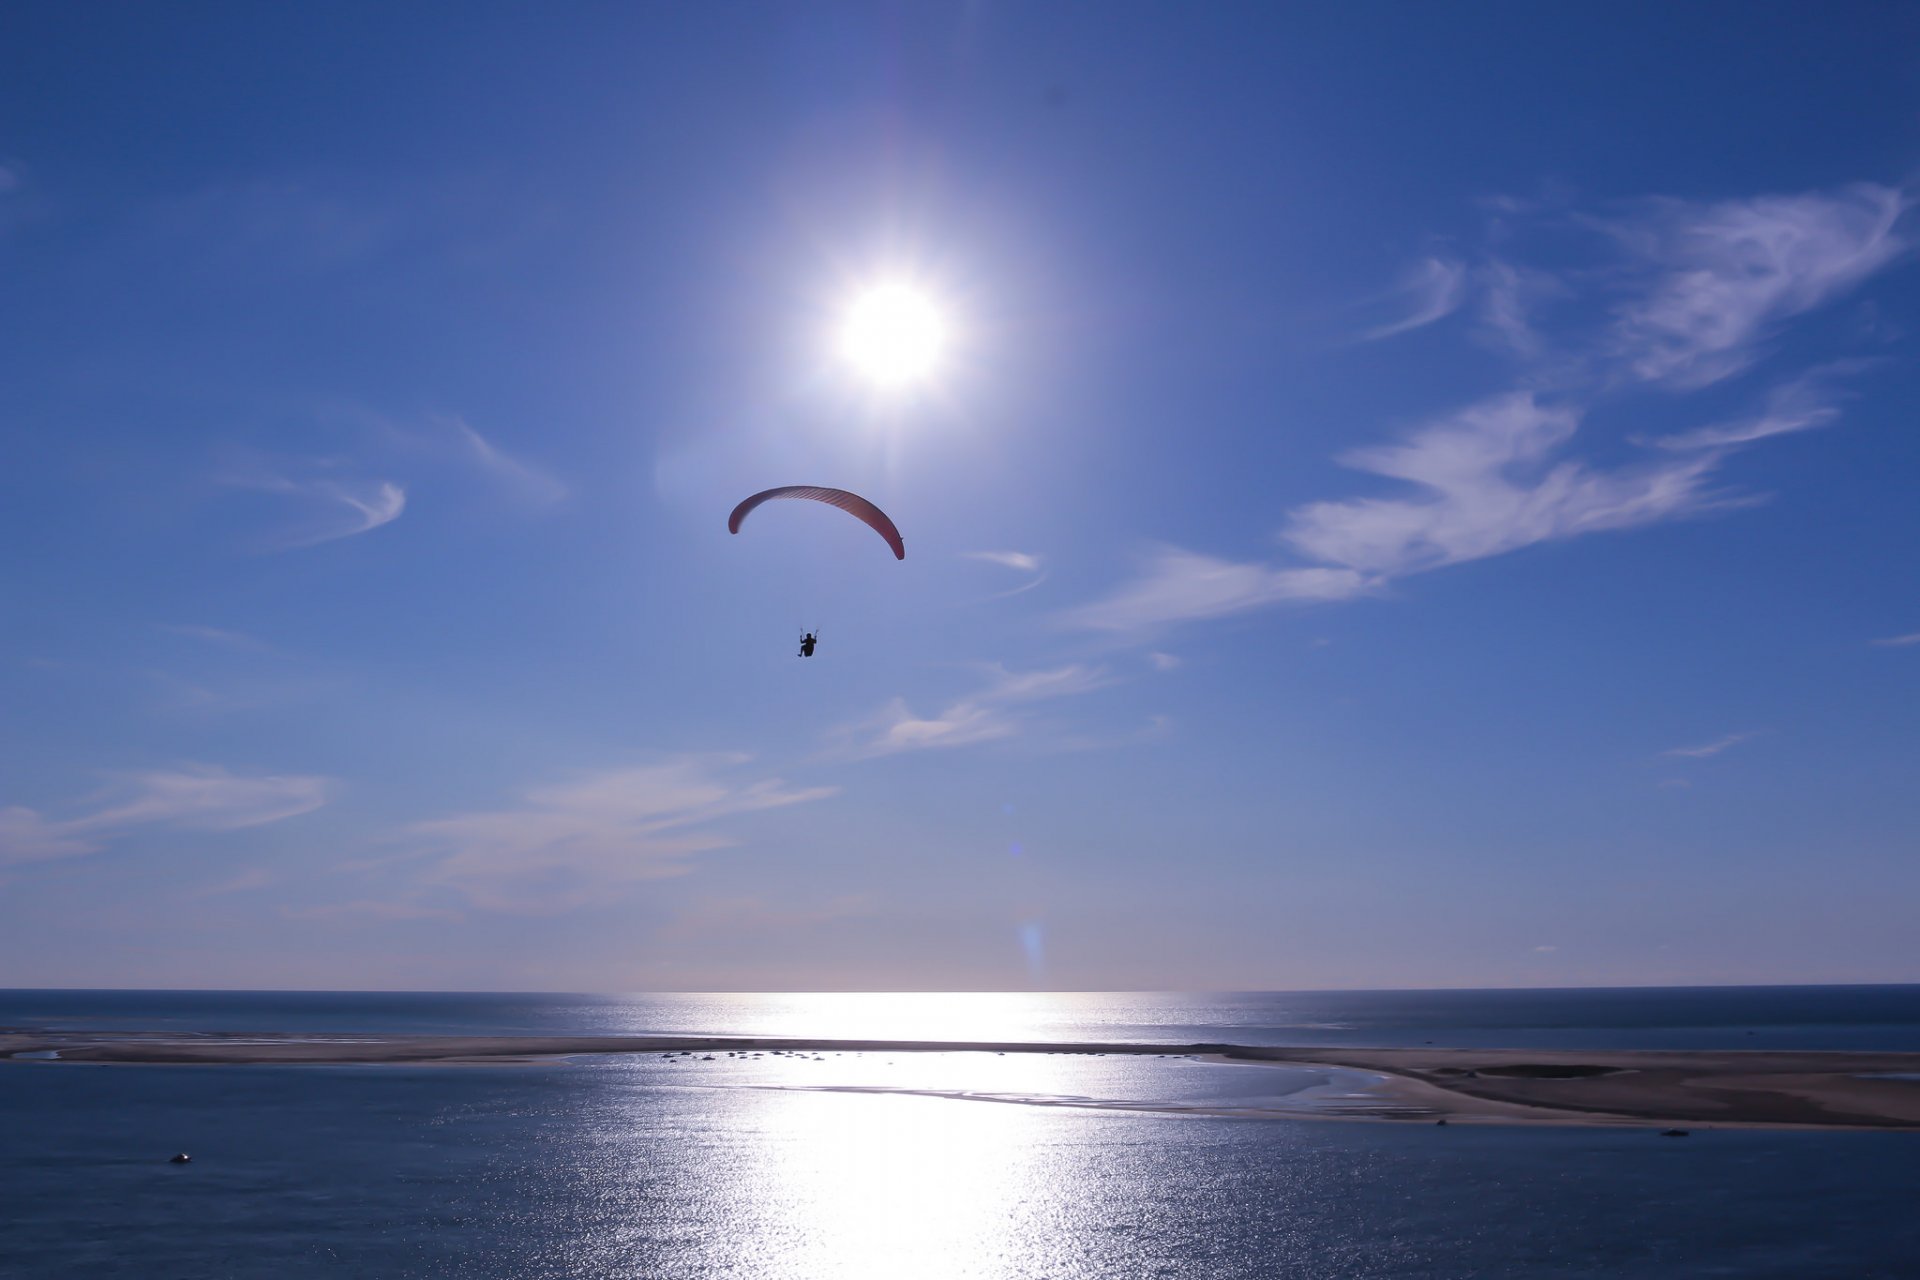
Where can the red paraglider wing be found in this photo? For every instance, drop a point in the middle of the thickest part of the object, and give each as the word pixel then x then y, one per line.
pixel 851 503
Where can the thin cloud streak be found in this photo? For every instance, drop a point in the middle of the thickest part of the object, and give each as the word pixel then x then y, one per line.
pixel 1714 748
pixel 1493 485
pixel 207 798
pixel 370 504
pixel 1176 585
pixel 567 844
pixel 1509 295
pixel 1898 642
pixel 196 797
pixel 530 483
pixel 350 506
pixel 217 636
pixel 980 717
pixel 1019 560
pixel 1433 291
pixel 1803 404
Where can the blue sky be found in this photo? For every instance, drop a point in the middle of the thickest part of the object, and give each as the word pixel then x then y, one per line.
pixel 1418 497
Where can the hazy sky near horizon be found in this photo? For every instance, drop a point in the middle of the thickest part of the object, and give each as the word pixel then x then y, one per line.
pixel 1420 496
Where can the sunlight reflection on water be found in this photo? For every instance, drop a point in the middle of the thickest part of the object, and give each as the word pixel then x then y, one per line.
pixel 952 1015
pixel 882 1165
pixel 817 1184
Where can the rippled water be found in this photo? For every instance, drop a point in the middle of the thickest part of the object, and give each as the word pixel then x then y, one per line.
pixel 881 1165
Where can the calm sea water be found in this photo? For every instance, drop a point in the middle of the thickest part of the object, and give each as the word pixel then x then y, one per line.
pixel 643 1167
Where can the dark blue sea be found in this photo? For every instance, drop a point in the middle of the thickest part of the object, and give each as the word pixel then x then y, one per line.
pixel 877 1165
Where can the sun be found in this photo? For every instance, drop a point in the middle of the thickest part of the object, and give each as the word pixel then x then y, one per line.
pixel 894 335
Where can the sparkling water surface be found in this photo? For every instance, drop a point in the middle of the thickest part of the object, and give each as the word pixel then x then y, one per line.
pixel 908 1165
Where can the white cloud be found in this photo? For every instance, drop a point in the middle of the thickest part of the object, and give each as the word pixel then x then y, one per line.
pixel 980 717
pixel 1055 682
pixel 369 504
pixel 216 635
pixel 898 729
pixel 1163 661
pixel 1800 405
pixel 1432 291
pixel 25 836
pixel 1492 478
pixel 339 507
pixel 205 798
pixel 567 844
pixel 194 797
pixel 1182 586
pixel 528 482
pixel 1509 294
pixel 1019 560
pixel 1702 288
pixel 1493 484
pixel 1713 748
pixel 1899 641
pixel 1712 279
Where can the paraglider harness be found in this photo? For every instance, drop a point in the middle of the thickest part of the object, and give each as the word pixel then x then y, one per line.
pixel 807 640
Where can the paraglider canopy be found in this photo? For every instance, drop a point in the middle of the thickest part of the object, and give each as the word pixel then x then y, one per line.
pixel 851 503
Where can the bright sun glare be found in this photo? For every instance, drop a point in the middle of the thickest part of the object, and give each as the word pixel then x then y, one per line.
pixel 894 335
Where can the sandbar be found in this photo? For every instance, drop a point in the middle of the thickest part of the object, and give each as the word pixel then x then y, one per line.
pixel 1730 1088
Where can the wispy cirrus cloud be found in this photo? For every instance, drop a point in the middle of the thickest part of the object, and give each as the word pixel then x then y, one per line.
pixel 896 728
pixel 1432 291
pixel 1509 297
pixel 1714 748
pixel 223 637
pixel 1711 280
pixel 28 836
pixel 1691 295
pixel 1802 404
pixel 1175 585
pixel 1492 481
pixel 195 797
pixel 983 716
pixel 332 503
pixel 567 844
pixel 1898 642
pixel 532 485
pixel 1017 560
pixel 342 495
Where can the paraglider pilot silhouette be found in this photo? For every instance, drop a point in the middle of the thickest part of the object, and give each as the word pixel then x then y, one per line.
pixel 851 503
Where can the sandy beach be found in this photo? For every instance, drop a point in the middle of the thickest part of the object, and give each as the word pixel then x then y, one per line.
pixel 1730 1088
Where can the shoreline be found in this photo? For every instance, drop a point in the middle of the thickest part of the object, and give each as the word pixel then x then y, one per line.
pixel 1731 1088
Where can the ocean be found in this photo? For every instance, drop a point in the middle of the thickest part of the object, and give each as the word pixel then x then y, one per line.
pixel 961 1165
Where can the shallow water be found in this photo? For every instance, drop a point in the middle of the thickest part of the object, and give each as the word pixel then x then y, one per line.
pixel 863 1165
